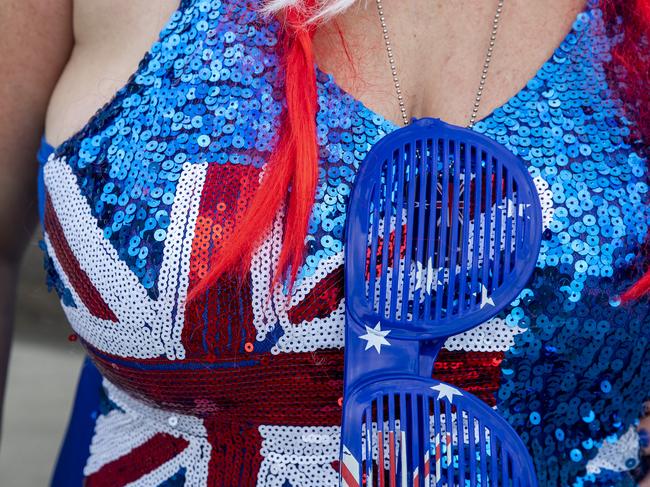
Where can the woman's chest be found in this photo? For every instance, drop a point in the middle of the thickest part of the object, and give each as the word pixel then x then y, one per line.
pixel 141 199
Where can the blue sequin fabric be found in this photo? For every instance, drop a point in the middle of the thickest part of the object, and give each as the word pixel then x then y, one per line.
pixel 240 392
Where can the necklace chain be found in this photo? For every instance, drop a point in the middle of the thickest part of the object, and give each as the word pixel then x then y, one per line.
pixel 393 66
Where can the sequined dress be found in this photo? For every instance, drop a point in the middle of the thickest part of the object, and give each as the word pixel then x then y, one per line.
pixel 238 391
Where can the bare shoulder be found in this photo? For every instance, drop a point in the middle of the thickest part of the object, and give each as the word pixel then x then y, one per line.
pixel 110 40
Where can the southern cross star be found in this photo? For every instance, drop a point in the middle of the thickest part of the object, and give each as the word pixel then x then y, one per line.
pixel 427 277
pixel 509 206
pixel 375 337
pixel 485 299
pixel 522 207
pixel 445 390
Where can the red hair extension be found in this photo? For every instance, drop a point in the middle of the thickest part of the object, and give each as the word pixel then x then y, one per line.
pixel 633 86
pixel 291 173
pixel 639 289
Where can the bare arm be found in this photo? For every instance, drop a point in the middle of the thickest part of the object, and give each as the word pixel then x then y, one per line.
pixel 35 43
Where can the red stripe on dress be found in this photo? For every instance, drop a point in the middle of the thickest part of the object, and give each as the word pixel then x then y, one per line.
pixel 222 320
pixel 288 389
pixel 140 461
pixel 235 453
pixel 321 300
pixel 78 278
pixel 476 372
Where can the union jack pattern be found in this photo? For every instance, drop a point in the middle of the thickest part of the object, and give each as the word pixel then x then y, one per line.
pixel 239 390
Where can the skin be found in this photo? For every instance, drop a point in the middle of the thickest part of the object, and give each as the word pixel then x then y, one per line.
pixel 82 52
pixel 439 59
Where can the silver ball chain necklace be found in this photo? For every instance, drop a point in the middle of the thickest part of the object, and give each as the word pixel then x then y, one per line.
pixel 486 64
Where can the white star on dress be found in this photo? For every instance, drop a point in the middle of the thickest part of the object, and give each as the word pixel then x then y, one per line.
pixel 522 207
pixel 509 207
pixel 485 299
pixel 375 337
pixel 432 276
pixel 445 390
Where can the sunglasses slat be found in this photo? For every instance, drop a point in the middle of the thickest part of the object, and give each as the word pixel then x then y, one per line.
pixel 465 230
pixel 388 192
pixel 487 228
pixel 405 432
pixel 476 253
pixel 508 247
pixel 449 443
pixel 453 245
pixel 374 236
pixel 441 261
pixel 397 242
pixel 410 204
pixel 494 473
pixel 483 460
pixel 500 207
pixel 432 238
pixel 421 217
